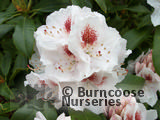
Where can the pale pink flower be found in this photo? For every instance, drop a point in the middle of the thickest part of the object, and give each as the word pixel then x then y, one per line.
pixel 130 110
pixel 143 67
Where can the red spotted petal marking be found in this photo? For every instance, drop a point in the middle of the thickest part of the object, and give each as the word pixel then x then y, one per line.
pixel 138 116
pixel 129 117
pixel 53 83
pixel 88 35
pixel 69 53
pixel 68 25
pixel 42 82
pixel 148 77
pixel 94 78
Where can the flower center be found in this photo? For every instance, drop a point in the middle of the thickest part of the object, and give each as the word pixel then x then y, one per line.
pixel 68 25
pixel 89 35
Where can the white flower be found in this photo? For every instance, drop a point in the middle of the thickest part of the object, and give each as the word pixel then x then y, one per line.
pixel 156 14
pixel 143 67
pixel 76 42
pixel 52 43
pixel 63 117
pixel 77 48
pixel 96 43
pixel 130 110
pixel 39 116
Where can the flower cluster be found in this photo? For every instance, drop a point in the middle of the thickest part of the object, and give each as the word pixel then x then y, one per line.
pixel 130 110
pixel 143 67
pixel 76 47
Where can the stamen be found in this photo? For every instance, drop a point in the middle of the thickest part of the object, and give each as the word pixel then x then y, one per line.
pixel 32 68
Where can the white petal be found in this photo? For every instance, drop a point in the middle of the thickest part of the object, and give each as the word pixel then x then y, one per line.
pixel 59 18
pixel 155 17
pixel 151 115
pixel 40 116
pixel 61 117
pixel 154 3
pixel 48 41
pixel 34 79
pixel 116 117
pixel 150 96
pixel 67 68
pixel 36 63
pixel 124 53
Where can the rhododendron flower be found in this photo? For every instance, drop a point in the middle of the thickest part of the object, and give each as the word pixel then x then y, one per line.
pixel 143 67
pixel 77 48
pixel 130 110
pixel 52 43
pixel 77 42
pixel 156 14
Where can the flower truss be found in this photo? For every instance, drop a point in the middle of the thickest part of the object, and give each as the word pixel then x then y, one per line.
pixel 76 48
pixel 130 110
pixel 156 14
pixel 143 67
pixel 40 116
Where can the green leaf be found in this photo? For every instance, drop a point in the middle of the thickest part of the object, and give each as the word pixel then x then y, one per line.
pixel 24 113
pixel 5 91
pixel 102 5
pixel 20 64
pixel 131 82
pixel 15 20
pixel 156 50
pixel 144 21
pixel 114 22
pixel 85 115
pixel 8 14
pixel 8 107
pixel 4 118
pixel 23 36
pixel 82 3
pixel 4 4
pixel 157 107
pixel 50 5
pixel 4 28
pixel 138 9
pixel 6 63
pixel 136 37
pixel 49 112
